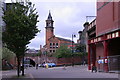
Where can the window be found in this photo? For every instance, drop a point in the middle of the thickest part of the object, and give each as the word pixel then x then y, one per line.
pixel 47 24
pixel 50 44
pixel 53 50
pixel 50 50
pixel 56 44
pixel 53 43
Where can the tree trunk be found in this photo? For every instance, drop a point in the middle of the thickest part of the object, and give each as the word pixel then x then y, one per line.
pixel 18 67
pixel 23 66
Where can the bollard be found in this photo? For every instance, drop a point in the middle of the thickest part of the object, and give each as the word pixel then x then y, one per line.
pixel 47 66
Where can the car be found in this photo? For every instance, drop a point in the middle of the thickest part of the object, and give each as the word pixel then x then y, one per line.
pixel 50 64
pixel 53 64
pixel 39 65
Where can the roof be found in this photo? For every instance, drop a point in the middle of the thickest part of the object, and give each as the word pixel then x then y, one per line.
pixel 64 39
pixel 61 39
pixel 49 16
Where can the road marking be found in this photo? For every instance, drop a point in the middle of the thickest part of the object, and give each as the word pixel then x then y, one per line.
pixel 56 68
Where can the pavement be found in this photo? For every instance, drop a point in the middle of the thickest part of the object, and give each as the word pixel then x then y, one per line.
pixel 12 74
pixel 59 72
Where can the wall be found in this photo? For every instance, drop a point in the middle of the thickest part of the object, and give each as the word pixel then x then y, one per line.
pixel 107 17
pixel 49 34
pixel 61 61
pixel 99 55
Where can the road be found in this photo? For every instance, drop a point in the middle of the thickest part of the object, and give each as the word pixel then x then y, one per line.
pixel 71 73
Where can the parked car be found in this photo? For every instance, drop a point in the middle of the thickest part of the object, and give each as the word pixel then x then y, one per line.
pixel 53 64
pixel 40 65
pixel 49 64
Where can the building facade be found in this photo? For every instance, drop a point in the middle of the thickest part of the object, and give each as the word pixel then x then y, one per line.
pixel 104 38
pixel 53 42
pixel 83 37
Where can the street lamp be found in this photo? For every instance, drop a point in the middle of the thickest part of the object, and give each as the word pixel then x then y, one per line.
pixel 72 49
pixel 45 55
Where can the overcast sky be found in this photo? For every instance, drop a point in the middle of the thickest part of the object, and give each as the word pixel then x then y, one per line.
pixel 68 15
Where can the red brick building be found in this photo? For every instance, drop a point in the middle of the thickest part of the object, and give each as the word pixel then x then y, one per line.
pixel 53 42
pixel 104 38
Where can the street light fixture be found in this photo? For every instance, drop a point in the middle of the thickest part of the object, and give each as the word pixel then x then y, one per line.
pixel 45 55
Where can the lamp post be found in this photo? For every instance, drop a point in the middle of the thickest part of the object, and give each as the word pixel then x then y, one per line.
pixel 72 49
pixel 45 55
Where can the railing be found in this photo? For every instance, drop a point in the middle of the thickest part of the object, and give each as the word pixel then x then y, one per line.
pixel 92 24
pixel 114 63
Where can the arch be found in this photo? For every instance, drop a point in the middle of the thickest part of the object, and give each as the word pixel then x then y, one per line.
pixel 30 61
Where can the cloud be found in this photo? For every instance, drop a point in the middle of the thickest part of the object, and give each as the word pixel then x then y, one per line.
pixel 68 18
pixel 68 15
pixel 63 0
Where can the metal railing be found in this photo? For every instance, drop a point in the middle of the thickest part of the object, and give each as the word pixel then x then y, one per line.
pixel 114 63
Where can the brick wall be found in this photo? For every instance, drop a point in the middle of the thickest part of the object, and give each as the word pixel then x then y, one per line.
pixel 107 17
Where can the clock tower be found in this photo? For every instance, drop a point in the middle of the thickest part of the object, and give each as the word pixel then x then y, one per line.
pixel 49 28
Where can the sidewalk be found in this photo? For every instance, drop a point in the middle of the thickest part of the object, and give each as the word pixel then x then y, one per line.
pixel 13 74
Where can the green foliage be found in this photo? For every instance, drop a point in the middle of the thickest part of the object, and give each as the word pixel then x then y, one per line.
pixel 77 54
pixel 20 28
pixel 81 50
pixel 81 47
pixel 21 20
pixel 7 54
pixel 62 52
pixel 38 54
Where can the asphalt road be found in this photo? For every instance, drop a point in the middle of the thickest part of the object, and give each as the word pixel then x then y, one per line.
pixel 70 72
pixel 59 73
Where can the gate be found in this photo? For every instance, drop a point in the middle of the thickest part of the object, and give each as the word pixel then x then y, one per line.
pixel 114 63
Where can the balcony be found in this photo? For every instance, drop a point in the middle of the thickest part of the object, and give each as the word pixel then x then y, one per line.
pixel 92 29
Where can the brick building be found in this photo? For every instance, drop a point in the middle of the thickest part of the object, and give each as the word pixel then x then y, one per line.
pixel 53 42
pixel 83 37
pixel 104 37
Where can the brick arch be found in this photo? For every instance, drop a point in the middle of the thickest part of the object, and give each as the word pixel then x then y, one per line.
pixel 32 61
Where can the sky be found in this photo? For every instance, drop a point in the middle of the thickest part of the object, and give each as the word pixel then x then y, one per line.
pixel 68 15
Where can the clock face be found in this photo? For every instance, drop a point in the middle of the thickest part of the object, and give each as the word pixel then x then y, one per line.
pixel 49 24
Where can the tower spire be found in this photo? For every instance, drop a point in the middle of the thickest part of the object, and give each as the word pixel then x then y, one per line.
pixel 49 16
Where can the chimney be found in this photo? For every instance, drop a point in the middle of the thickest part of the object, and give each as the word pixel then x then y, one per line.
pixel 86 24
pixel 80 32
pixel 40 47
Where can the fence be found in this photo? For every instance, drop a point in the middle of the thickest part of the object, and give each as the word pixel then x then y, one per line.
pixel 114 63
